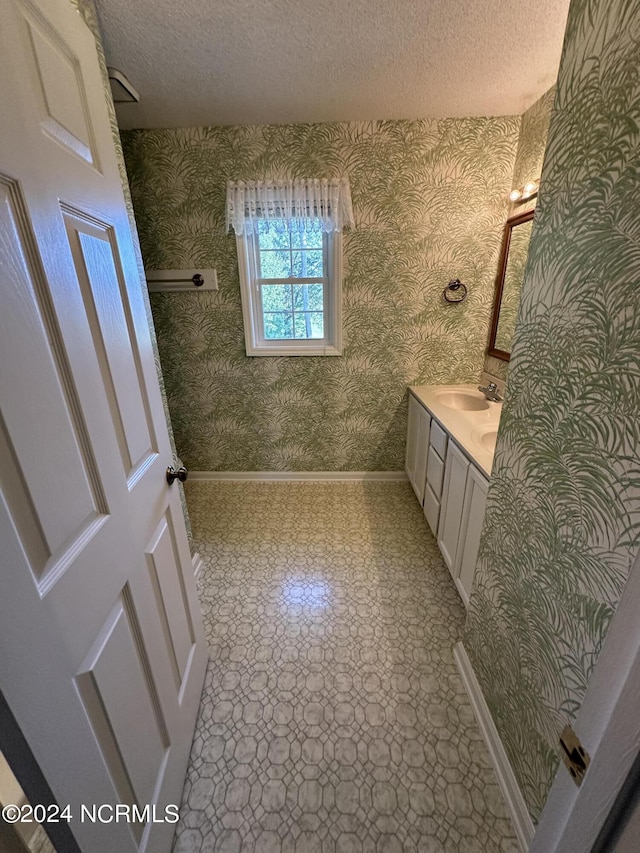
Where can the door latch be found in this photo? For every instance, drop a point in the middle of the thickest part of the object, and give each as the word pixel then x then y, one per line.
pixel 172 474
pixel 574 755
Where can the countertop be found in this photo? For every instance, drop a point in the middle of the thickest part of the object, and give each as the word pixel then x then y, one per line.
pixel 472 431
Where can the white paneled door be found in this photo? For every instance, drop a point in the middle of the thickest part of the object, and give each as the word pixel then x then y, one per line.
pixel 102 654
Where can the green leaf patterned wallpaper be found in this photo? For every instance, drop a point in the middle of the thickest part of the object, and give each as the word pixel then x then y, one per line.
pixel 563 514
pixel 531 146
pixel 430 200
pixel 532 142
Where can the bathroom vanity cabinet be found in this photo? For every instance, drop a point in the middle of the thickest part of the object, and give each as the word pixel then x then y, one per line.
pixel 464 499
pixel 449 480
pixel 417 446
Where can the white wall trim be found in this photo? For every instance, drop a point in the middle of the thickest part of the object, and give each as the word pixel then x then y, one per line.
pixel 516 805
pixel 197 563
pixel 291 476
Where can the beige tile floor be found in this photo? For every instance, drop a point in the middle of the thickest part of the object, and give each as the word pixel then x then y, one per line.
pixel 333 718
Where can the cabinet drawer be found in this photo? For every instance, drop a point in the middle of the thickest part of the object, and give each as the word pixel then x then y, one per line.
pixel 435 472
pixel 438 439
pixel 431 509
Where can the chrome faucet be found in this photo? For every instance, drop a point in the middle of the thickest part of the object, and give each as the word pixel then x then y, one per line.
pixel 491 392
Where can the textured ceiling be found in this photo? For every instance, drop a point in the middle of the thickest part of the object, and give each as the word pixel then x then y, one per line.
pixel 200 62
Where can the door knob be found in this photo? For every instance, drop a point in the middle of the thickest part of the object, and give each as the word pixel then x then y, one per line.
pixel 181 474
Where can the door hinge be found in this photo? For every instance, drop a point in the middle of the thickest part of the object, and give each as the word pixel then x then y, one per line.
pixel 574 755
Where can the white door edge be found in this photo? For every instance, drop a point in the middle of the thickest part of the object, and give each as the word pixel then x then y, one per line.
pixel 608 725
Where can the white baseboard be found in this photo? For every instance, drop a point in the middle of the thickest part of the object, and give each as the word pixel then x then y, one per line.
pixel 196 562
pixel 516 805
pixel 291 476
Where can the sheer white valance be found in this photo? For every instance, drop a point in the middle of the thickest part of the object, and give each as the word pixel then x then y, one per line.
pixel 294 205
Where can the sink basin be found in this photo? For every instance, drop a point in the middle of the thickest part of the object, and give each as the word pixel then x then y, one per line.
pixel 488 440
pixel 463 401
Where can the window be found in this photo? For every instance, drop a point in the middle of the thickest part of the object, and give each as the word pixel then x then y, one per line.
pixel 291 288
pixel 289 238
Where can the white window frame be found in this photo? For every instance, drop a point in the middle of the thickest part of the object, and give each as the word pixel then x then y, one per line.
pixel 255 342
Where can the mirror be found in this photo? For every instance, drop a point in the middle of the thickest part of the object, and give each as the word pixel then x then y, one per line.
pixel 513 259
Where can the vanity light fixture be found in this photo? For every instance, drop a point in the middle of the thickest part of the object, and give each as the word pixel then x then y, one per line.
pixel 528 191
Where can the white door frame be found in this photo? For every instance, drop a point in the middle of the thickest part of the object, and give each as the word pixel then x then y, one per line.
pixel 608 724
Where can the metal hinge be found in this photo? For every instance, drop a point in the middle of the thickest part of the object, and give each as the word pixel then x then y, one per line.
pixel 574 755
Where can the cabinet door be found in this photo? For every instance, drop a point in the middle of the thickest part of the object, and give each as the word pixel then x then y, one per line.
pixel 417 447
pixel 455 478
pixel 475 500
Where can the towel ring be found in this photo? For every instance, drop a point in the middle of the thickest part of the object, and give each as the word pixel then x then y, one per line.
pixel 455 291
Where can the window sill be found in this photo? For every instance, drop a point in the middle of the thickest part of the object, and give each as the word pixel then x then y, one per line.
pixel 325 349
